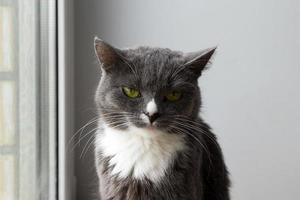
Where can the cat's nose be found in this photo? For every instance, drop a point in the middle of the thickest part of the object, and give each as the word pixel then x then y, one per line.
pixel 152 116
pixel 152 111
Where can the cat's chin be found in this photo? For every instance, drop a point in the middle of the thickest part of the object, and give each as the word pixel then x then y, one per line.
pixel 148 127
pixel 152 128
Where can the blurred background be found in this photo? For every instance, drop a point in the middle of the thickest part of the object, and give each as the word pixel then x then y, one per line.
pixel 251 92
pixel 49 73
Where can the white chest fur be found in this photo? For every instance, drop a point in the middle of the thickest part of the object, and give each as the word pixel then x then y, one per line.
pixel 140 152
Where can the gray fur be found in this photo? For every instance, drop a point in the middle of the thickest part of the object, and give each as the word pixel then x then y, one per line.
pixel 198 173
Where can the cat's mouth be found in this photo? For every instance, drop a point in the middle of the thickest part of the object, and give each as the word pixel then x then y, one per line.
pixel 158 124
pixel 152 126
pixel 148 126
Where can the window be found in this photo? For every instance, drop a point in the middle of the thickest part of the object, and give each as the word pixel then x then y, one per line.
pixel 27 100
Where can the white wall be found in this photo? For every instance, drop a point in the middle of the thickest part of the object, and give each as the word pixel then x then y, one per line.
pixel 251 93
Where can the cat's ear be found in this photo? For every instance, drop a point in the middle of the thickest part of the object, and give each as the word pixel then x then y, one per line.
pixel 107 55
pixel 198 61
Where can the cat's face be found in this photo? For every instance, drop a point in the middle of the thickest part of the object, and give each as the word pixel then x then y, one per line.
pixel 148 87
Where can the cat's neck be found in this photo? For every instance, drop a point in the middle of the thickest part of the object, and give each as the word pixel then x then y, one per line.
pixel 140 153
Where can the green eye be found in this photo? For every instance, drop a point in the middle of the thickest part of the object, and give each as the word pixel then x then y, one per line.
pixel 173 96
pixel 131 93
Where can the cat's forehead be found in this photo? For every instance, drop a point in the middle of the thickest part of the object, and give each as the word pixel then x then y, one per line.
pixel 155 66
pixel 155 56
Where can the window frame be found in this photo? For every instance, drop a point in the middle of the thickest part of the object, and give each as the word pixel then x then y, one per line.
pixel 12 77
pixel 49 53
pixel 34 75
pixel 43 99
pixel 65 70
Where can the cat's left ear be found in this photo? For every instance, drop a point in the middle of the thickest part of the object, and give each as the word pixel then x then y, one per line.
pixel 108 55
pixel 198 61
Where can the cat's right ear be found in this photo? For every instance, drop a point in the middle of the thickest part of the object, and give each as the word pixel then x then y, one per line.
pixel 107 55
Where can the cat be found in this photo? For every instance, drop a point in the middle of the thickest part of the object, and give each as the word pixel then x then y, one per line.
pixel 151 143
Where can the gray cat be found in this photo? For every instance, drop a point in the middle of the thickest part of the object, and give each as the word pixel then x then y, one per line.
pixel 151 143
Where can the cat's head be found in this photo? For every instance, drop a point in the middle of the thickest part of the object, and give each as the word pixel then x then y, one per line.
pixel 148 87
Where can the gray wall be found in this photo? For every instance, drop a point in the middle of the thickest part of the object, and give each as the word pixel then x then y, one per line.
pixel 251 93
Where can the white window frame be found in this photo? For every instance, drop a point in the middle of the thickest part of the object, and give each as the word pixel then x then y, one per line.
pixel 47 73
pixel 41 112
pixel 66 178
